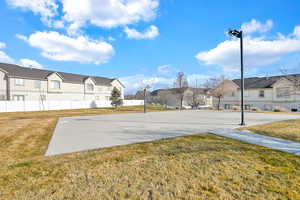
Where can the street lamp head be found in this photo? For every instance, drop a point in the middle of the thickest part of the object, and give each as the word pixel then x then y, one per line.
pixel 235 33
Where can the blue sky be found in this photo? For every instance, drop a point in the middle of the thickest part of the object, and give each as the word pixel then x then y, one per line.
pixel 149 41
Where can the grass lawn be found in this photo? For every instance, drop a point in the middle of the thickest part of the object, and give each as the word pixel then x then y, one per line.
pixel 193 167
pixel 289 129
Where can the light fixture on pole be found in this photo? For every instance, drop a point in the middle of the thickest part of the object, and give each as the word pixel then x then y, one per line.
pixel 239 34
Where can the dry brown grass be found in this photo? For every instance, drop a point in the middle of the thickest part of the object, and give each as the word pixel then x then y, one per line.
pixel 193 167
pixel 27 134
pixel 289 129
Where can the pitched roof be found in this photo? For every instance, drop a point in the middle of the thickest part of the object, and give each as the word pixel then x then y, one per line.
pixel 264 82
pixel 40 74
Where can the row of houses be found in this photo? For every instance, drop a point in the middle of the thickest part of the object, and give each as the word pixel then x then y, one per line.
pixel 265 93
pixel 28 84
pixel 261 93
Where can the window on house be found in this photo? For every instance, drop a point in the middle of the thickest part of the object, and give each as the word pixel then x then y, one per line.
pixel 37 84
pixel 107 98
pixel 261 93
pixel 19 82
pixel 227 106
pixel 89 87
pixel 18 97
pixel 283 92
pixel 55 84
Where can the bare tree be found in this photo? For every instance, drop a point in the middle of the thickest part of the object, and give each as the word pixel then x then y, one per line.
pixel 213 82
pixel 218 88
pixel 139 95
pixel 197 97
pixel 181 84
pixel 163 97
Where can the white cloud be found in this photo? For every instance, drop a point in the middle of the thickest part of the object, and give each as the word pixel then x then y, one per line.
pixel 110 38
pixel 139 81
pixel 256 26
pixel 3 56
pixel 108 13
pixel 297 31
pixel 46 8
pixel 2 45
pixel 58 24
pixel 81 49
pixel 164 69
pixel 102 13
pixel 30 63
pixel 25 62
pixel 21 37
pixel 257 52
pixel 150 33
pixel 74 28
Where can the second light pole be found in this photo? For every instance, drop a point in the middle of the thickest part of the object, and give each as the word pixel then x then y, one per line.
pixel 239 34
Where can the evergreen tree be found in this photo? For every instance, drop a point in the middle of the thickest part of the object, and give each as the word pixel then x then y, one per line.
pixel 115 98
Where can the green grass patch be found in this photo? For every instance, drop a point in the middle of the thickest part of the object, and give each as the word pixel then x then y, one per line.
pixel 21 164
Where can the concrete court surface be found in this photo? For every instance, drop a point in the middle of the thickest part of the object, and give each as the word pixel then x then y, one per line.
pixel 73 134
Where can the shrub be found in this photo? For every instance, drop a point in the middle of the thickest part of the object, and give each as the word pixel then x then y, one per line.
pixel 236 108
pixel 255 109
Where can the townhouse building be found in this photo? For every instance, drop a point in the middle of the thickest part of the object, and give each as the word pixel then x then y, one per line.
pixel 264 93
pixel 29 84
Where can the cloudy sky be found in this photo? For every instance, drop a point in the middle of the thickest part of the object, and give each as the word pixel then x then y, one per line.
pixel 146 42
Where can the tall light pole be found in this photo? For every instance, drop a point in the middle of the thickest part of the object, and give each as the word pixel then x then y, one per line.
pixel 239 34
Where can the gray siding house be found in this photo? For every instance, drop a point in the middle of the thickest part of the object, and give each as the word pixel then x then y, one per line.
pixel 28 84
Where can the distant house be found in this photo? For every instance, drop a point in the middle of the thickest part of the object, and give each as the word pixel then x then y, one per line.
pixel 265 93
pixel 28 84
pixel 170 97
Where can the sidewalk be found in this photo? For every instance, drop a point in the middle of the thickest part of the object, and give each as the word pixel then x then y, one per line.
pixel 262 140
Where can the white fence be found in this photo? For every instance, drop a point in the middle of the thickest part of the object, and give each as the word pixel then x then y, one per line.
pixel 23 106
